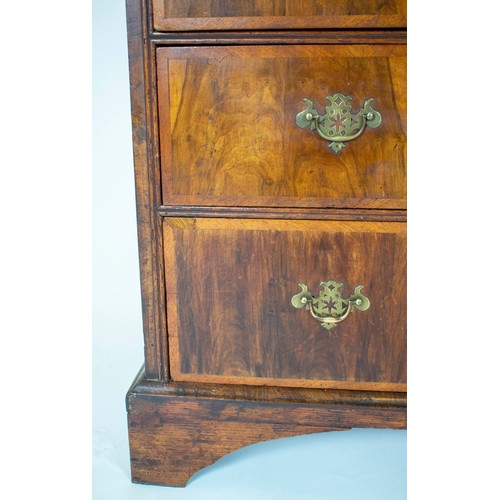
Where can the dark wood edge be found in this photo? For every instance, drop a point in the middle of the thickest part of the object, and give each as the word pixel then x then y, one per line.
pixel 138 381
pixel 284 213
pixel 159 291
pixel 281 22
pixel 141 63
pixel 302 203
pixel 143 386
pixel 279 37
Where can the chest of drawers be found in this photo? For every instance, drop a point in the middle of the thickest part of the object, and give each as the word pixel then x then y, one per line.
pixel 269 150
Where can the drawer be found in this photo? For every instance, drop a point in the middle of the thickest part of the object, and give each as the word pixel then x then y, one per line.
pixel 229 134
pixel 230 284
pixel 193 15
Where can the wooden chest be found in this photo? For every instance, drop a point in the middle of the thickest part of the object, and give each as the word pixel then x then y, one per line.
pixel 270 160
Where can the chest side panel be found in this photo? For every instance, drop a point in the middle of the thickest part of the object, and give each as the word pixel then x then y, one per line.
pixel 174 15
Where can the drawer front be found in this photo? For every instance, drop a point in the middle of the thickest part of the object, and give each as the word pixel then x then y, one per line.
pixel 229 136
pixel 230 285
pixel 189 15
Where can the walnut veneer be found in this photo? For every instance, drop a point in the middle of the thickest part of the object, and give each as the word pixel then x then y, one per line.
pixel 237 205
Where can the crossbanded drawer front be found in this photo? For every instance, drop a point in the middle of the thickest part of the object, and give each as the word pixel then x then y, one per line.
pixel 231 132
pixel 231 316
pixel 187 15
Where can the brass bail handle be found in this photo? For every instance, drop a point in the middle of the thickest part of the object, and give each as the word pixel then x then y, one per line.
pixel 330 298
pixel 339 124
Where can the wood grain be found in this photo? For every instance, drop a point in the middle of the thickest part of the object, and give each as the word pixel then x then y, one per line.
pixel 270 393
pixel 236 205
pixel 147 191
pixel 229 284
pixel 228 134
pixel 284 213
pixel 172 437
pixel 273 37
pixel 185 15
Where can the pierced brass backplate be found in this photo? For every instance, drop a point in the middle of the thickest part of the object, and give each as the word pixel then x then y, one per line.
pixel 330 308
pixel 339 124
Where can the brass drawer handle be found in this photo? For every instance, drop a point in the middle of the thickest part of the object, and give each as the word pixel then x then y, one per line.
pixel 339 124
pixel 330 299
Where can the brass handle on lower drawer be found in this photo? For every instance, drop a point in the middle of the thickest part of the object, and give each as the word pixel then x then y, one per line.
pixel 330 299
pixel 339 124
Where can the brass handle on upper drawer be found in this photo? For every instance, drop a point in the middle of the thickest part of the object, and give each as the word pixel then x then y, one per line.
pixel 330 299
pixel 339 124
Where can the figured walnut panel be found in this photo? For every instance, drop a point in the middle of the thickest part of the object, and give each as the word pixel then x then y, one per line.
pixel 228 134
pixel 230 320
pixel 147 194
pixel 187 15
